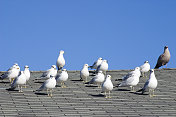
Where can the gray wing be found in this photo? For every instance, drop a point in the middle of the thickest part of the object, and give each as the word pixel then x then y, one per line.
pixel 43 86
pixel 127 76
pixel 5 75
pixel 45 73
pixel 57 77
pixel 159 62
pixel 92 81
pixel 145 86
pixel 13 85
pixel 93 64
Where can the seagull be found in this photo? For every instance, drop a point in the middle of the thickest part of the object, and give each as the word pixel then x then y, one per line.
pixel 163 58
pixel 107 86
pixel 15 64
pixel 145 68
pixel 60 61
pixel 84 73
pixel 131 79
pixel 98 79
pixel 48 85
pixel 19 81
pixel 96 63
pixel 151 84
pixel 52 71
pixel 136 71
pixel 27 73
pixel 12 73
pixel 103 66
pixel 62 77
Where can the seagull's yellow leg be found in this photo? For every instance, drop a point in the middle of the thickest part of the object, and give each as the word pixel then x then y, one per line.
pixel 106 95
pixel 64 85
pixel 51 93
pixel 153 93
pixel 47 92
pixel 109 94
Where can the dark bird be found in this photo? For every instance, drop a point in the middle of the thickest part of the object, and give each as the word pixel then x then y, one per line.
pixel 163 58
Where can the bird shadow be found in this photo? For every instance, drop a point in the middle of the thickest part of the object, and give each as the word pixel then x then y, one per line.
pixel 38 93
pixel 122 90
pixel 98 95
pixel 58 86
pixel 39 82
pixel 5 82
pixel 76 80
pixel 9 89
pixel 118 79
pixel 137 93
pixel 91 86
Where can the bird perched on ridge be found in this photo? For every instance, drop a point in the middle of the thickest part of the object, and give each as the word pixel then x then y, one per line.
pixel 107 86
pixel 60 61
pixel 163 58
pixel 131 79
pixel 62 77
pixel 145 68
pixel 52 71
pixel 84 73
pixel 19 81
pixel 103 66
pixel 12 73
pixel 98 79
pixel 96 63
pixel 48 85
pixel 151 84
pixel 26 73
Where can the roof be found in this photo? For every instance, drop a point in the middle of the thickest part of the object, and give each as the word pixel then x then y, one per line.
pixel 81 100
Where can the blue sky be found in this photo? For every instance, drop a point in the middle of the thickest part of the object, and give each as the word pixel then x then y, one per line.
pixel 125 32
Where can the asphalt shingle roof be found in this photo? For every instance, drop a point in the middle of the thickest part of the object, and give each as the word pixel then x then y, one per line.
pixel 81 100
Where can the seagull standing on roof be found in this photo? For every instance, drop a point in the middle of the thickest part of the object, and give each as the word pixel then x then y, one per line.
pixel 96 63
pixel 151 84
pixel 84 73
pixel 48 85
pixel 98 79
pixel 12 73
pixel 145 68
pixel 52 71
pixel 19 81
pixel 62 77
pixel 103 66
pixel 60 61
pixel 107 86
pixel 131 79
pixel 27 73
pixel 163 58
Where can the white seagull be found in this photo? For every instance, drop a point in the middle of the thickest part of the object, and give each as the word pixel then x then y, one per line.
pixel 84 73
pixel 145 68
pixel 98 79
pixel 103 66
pixel 48 85
pixel 151 84
pixel 27 73
pixel 19 81
pixel 107 86
pixel 131 79
pixel 136 71
pixel 12 73
pixel 62 77
pixel 52 71
pixel 60 61
pixel 96 63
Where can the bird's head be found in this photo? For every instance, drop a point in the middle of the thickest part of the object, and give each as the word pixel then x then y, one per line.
pixel 61 52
